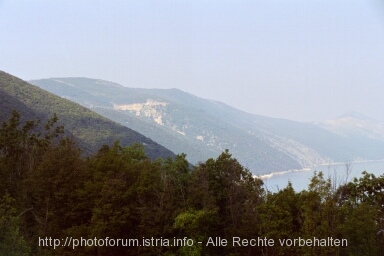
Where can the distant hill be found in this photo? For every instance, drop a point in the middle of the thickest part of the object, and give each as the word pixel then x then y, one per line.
pixel 355 115
pixel 90 129
pixel 203 128
pixel 353 124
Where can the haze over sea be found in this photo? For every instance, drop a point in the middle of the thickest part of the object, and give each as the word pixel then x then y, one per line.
pixel 300 179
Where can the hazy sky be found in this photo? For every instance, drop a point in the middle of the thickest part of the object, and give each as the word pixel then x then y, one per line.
pixel 305 60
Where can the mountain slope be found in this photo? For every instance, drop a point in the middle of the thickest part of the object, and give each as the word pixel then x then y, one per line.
pixel 203 128
pixel 175 119
pixel 89 128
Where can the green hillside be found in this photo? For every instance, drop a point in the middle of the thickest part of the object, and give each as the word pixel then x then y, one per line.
pixel 89 128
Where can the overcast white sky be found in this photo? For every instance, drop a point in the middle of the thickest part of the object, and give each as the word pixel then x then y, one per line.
pixel 300 60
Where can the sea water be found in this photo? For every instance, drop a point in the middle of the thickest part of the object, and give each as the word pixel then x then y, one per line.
pixel 300 179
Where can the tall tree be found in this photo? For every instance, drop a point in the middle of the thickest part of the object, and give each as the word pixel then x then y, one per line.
pixel 12 242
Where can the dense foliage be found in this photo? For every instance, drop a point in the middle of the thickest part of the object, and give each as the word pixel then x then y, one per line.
pixel 48 190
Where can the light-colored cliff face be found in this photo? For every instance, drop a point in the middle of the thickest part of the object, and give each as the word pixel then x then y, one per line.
pixel 155 111
pixel 152 109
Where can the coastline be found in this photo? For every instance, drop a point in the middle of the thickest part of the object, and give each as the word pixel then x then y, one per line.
pixel 306 169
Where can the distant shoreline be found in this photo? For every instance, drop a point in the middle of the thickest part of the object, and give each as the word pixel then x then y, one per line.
pixel 306 169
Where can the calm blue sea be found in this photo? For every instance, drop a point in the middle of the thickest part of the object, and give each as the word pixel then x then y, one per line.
pixel 300 180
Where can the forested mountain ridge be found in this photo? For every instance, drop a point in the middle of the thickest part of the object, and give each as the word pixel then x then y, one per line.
pixel 203 128
pixel 90 129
